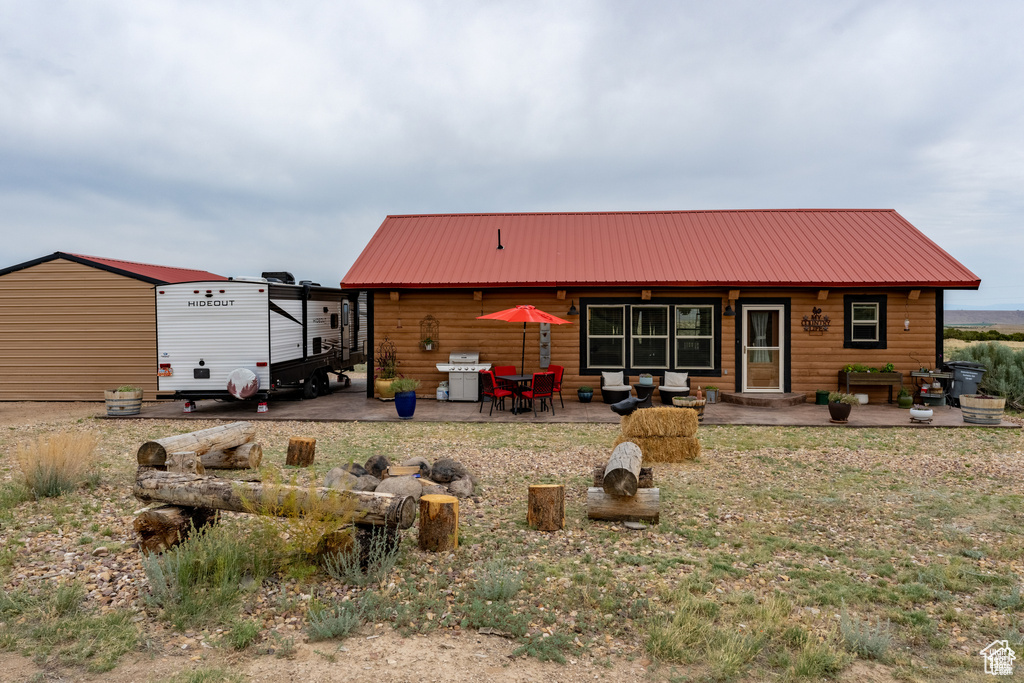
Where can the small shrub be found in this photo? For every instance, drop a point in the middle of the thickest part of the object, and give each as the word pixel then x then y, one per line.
pixel 346 566
pixel 53 465
pixel 817 661
pixel 243 633
pixel 334 623
pixel 1004 369
pixel 863 638
pixel 498 583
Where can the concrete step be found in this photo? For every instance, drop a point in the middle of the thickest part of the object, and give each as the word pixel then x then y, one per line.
pixel 760 400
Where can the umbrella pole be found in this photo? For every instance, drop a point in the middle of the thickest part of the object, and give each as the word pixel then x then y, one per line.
pixel 522 361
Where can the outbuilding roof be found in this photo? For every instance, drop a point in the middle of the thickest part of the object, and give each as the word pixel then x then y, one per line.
pixel 157 275
pixel 747 248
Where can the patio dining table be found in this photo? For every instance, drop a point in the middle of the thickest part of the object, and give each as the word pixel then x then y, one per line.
pixel 521 382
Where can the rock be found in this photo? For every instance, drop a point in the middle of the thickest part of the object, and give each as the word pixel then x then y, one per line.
pixel 461 488
pixel 401 486
pixel 101 551
pixel 421 463
pixel 446 470
pixel 367 482
pixel 435 489
pixel 340 478
pixel 376 465
pixel 354 468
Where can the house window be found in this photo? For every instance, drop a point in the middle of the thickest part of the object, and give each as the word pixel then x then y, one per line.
pixel 649 334
pixel 606 336
pixel 695 337
pixel 637 336
pixel 864 321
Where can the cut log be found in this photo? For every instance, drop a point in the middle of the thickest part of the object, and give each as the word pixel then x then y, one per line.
pixel 247 456
pixel 646 480
pixel 401 471
pixel 545 509
pixel 184 461
pixel 622 474
pixel 166 526
pixel 154 453
pixel 439 523
pixel 300 451
pixel 643 507
pixel 366 507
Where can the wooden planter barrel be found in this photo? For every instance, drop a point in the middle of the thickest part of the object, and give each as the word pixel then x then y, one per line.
pixel 982 410
pixel 123 402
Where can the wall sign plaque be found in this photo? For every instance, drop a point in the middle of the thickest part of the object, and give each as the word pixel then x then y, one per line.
pixel 817 323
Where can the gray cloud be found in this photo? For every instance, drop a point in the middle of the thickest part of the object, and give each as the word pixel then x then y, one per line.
pixel 246 136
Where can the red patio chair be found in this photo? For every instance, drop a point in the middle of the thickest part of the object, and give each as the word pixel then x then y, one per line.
pixel 488 388
pixel 505 370
pixel 541 389
pixel 559 371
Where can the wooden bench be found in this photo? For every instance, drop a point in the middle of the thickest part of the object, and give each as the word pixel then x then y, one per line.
pixel 873 379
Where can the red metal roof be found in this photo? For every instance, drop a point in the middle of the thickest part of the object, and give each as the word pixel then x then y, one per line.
pixel 780 248
pixel 146 271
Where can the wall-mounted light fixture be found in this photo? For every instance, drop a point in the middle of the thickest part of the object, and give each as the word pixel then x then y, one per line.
pixel 906 324
pixel 572 309
pixel 729 313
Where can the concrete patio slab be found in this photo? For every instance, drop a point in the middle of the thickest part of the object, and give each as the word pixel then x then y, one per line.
pixel 350 404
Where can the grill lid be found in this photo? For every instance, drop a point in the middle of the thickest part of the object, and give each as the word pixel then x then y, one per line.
pixel 464 357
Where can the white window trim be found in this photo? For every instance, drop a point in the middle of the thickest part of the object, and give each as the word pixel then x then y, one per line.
pixel 633 337
pixel 677 338
pixel 863 323
pixel 621 337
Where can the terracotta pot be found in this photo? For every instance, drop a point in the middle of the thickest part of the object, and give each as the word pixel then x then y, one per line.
pixel 839 412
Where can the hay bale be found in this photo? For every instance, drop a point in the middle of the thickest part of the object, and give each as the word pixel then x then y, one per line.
pixel 662 421
pixel 665 448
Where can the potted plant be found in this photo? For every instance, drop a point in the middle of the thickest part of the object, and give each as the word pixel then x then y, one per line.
pixel 904 398
pixel 711 393
pixel 840 405
pixel 125 400
pixel 646 379
pixel 404 390
pixel 585 394
pixel 386 366
pixel 427 344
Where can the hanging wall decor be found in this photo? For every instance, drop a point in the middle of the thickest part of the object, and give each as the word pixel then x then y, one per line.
pixel 817 323
pixel 429 333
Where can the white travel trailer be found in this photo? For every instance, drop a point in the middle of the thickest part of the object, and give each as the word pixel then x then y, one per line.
pixel 247 337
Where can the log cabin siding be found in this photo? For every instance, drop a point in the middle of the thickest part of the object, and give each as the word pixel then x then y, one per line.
pixel 69 331
pixel 815 360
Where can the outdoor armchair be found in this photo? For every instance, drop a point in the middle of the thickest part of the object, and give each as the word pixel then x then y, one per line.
pixel 559 371
pixel 488 388
pixel 615 387
pixel 674 384
pixel 541 389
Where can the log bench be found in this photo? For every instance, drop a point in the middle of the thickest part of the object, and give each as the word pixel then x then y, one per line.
pixel 870 379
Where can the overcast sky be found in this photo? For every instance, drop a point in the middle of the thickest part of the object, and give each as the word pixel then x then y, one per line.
pixel 247 136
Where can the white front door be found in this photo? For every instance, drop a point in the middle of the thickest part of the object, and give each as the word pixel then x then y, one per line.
pixel 763 348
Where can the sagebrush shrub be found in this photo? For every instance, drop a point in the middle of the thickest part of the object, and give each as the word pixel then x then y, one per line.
pixel 57 463
pixel 1004 369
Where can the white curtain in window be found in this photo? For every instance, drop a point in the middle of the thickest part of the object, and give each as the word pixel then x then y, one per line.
pixel 759 321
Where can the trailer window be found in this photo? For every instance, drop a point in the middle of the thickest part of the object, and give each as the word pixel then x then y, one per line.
pixel 334 321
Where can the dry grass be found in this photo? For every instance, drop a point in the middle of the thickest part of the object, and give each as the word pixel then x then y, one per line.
pixel 57 463
pixel 660 422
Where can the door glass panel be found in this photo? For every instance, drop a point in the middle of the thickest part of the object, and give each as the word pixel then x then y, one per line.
pixel 763 352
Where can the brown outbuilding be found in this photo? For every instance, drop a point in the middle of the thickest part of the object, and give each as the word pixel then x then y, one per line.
pixel 72 326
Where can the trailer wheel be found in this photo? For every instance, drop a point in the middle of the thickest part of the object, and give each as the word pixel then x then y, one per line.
pixel 311 387
pixel 325 383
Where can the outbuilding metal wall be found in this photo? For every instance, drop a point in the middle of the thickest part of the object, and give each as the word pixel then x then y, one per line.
pixel 69 331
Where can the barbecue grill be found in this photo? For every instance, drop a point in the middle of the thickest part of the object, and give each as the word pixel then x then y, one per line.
pixel 463 368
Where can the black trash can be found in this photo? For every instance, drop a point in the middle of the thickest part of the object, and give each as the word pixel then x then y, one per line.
pixel 966 378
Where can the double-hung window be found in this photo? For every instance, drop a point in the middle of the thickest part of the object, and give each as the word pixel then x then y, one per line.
pixel 695 337
pixel 606 336
pixel 649 332
pixel 864 321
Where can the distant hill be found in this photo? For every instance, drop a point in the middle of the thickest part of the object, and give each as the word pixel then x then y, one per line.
pixel 983 318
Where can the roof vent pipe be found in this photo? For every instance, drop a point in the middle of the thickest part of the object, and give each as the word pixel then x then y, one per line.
pixel 499 239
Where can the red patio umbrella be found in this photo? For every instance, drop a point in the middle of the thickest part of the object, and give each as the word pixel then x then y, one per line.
pixel 524 314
